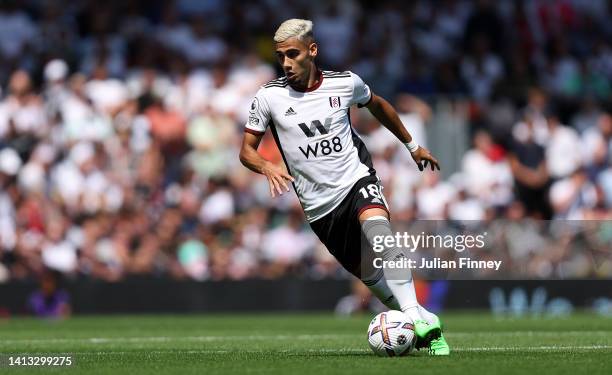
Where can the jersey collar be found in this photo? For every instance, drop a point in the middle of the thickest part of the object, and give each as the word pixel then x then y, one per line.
pixel 314 87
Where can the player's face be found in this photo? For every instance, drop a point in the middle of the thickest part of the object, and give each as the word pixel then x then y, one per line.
pixel 297 59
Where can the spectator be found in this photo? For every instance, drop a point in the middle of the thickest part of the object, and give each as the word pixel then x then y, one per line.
pixel 560 161
pixel 50 301
pixel 531 176
pixel 486 172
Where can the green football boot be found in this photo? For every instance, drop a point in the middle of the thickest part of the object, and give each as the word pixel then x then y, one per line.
pixel 439 346
pixel 426 332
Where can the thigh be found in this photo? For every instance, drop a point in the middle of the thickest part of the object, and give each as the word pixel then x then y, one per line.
pixel 340 231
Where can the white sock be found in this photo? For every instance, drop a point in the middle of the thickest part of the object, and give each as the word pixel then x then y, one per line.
pixel 404 292
pixel 413 313
pixel 402 289
pixel 429 317
pixel 378 286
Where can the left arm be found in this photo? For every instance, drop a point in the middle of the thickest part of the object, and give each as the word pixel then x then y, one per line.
pixel 386 114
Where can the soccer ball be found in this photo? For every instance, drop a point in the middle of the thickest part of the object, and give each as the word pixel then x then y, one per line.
pixel 391 334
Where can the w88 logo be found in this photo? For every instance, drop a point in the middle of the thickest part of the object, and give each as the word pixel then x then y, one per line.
pixel 324 147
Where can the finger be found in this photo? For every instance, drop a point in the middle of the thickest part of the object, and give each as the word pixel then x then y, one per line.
pixel 282 181
pixel 277 186
pixel 417 160
pixel 288 177
pixel 425 163
pixel 431 163
pixel 434 161
pixel 271 186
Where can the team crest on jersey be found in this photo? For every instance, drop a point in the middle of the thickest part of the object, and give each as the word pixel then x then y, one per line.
pixel 334 101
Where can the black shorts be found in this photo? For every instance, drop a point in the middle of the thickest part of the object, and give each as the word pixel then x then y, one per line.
pixel 340 230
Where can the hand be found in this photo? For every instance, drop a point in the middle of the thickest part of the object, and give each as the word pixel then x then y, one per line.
pixel 423 155
pixel 277 178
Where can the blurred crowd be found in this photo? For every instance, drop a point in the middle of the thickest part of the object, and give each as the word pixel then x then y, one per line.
pixel 121 121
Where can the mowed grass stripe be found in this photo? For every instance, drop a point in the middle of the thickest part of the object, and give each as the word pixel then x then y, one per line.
pixel 362 351
pixel 346 351
pixel 301 337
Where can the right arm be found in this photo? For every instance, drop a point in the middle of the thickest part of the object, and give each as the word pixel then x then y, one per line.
pixel 533 178
pixel 250 158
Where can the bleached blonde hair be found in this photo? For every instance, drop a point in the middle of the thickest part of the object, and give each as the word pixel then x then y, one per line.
pixel 294 28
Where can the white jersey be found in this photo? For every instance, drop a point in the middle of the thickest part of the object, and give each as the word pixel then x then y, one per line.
pixel 314 135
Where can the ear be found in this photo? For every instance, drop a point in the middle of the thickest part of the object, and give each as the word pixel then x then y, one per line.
pixel 313 49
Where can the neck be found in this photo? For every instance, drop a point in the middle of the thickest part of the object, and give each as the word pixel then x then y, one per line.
pixel 313 77
pixel 311 80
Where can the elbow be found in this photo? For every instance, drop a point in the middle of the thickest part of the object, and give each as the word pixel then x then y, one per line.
pixel 242 157
pixel 379 106
pixel 372 103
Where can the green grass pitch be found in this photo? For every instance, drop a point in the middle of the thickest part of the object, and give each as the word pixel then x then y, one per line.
pixel 307 343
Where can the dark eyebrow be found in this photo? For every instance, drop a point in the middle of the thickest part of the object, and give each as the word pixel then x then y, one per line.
pixel 287 51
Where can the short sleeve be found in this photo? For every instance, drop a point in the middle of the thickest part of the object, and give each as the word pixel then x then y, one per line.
pixel 259 115
pixel 361 92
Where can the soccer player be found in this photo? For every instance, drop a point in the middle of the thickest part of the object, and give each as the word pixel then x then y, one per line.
pixel 330 168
